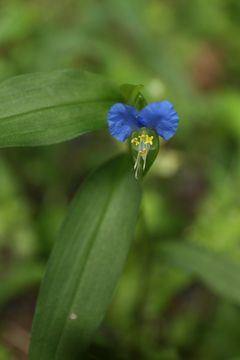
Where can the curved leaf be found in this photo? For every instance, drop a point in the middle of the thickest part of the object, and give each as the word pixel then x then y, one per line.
pixel 86 263
pixel 47 108
pixel 215 270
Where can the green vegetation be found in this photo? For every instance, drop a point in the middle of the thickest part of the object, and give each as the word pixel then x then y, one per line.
pixel 179 294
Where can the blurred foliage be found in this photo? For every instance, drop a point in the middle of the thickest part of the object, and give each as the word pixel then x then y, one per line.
pixel 188 52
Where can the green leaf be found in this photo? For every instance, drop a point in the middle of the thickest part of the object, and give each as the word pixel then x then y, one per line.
pixel 47 108
pixel 86 262
pixel 218 272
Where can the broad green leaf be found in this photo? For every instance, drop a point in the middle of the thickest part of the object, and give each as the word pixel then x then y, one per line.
pixel 218 272
pixel 86 262
pixel 47 108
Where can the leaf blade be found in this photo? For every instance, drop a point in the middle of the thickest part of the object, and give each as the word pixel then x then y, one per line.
pixel 216 271
pixel 89 263
pixel 47 108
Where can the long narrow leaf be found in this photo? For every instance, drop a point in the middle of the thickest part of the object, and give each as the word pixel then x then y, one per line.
pixel 86 263
pixel 219 273
pixel 47 108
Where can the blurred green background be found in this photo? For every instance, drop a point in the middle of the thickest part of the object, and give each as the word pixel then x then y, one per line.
pixel 183 51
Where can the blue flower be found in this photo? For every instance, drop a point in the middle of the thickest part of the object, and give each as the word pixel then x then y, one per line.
pixel 161 117
pixel 125 121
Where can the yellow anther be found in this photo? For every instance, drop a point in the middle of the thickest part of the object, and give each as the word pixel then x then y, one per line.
pixel 146 139
pixel 135 141
pixel 143 142
pixel 142 137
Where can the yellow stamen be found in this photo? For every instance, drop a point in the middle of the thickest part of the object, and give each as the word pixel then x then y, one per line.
pixel 142 143
pixel 149 140
pixel 135 141
pixel 146 139
pixel 142 137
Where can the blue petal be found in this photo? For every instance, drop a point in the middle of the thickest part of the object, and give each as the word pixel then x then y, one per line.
pixel 122 121
pixel 161 117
